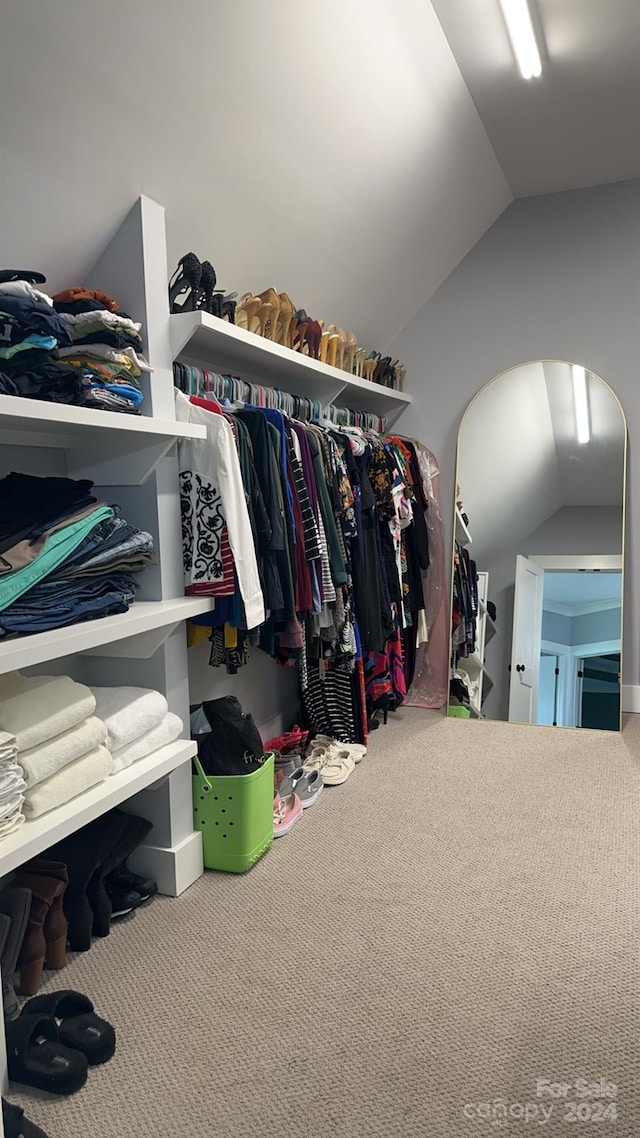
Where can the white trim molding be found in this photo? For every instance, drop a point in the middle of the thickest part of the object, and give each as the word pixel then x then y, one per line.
pixel 631 699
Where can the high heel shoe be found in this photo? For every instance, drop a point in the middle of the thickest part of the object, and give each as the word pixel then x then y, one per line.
pixel 247 312
pixel 269 313
pixel 302 321
pixel 186 279
pixel 287 309
pixel 350 350
pixel 207 286
pixel 359 362
pixel 313 338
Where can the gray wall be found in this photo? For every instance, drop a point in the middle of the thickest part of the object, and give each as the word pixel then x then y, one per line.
pixel 594 627
pixel 556 627
pixel 556 277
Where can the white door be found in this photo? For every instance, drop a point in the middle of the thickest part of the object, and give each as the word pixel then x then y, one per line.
pixel 525 646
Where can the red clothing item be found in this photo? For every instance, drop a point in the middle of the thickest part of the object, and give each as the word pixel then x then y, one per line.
pixel 69 295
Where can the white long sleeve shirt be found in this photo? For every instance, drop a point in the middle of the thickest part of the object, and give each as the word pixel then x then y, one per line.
pixel 212 493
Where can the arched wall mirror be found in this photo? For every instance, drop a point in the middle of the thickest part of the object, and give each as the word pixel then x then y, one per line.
pixel 536 622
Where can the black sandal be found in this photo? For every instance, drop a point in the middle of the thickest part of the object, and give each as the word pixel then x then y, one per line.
pixel 36 1057
pixel 185 281
pixel 77 1024
pixel 16 1125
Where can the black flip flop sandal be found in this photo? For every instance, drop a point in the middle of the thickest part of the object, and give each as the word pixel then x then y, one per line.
pixel 16 1125
pixel 28 275
pixel 186 281
pixel 77 1024
pixel 36 1057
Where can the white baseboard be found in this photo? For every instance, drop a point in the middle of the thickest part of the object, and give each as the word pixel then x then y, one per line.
pixel 631 698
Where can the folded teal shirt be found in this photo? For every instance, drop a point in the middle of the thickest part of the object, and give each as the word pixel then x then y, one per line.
pixel 60 545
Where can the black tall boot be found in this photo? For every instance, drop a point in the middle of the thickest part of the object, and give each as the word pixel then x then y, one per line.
pixel 132 831
pixel 82 853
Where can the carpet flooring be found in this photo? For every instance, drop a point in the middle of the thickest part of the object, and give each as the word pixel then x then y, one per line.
pixel 456 923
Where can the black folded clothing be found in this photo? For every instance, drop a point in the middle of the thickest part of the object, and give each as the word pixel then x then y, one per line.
pixel 112 338
pixel 51 381
pixel 26 502
pixel 23 315
pixel 74 307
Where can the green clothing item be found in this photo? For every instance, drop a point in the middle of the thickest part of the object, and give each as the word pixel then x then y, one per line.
pixel 60 545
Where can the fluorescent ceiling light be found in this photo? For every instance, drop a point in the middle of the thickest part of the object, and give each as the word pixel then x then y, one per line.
pixel 523 41
pixel 581 403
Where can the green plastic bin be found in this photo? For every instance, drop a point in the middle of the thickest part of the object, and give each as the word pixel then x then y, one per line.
pixel 455 712
pixel 235 815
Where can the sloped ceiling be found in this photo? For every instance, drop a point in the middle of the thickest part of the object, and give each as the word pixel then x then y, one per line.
pixel 575 126
pixel 518 459
pixel 331 149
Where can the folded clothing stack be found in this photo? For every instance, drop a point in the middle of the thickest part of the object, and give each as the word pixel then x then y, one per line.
pixel 12 785
pixel 138 722
pixel 64 556
pixel 30 334
pixel 59 741
pixel 105 346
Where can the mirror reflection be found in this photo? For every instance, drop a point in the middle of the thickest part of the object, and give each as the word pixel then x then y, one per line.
pixel 536 626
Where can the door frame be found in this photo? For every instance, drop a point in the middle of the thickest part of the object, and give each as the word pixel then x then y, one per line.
pixel 581 652
pixel 565 562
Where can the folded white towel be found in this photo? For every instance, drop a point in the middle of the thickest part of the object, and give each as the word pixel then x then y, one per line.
pixel 79 776
pixel 11 782
pixel 42 762
pixel 37 708
pixel 8 747
pixel 128 713
pixel 7 827
pixel 167 730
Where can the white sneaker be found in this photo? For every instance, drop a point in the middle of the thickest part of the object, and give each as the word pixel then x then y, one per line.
pixel 334 764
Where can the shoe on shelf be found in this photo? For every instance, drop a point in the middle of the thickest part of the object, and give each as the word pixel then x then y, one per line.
pixel 16 1125
pixel 247 312
pixel 185 282
pixel 286 812
pixel 306 784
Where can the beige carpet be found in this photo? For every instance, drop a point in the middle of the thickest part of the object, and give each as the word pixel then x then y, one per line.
pixel 458 921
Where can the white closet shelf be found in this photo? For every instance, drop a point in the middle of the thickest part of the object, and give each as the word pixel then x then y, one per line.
pixel 463 536
pixel 37 835
pixel 206 341
pixel 137 633
pixel 110 448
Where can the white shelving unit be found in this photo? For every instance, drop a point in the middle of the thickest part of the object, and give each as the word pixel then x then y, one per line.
pixel 475 665
pixel 133 461
pixel 206 341
pixel 124 448
pixel 463 536
pixel 35 836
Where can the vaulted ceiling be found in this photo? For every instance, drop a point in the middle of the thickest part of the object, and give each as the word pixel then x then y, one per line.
pixel 347 152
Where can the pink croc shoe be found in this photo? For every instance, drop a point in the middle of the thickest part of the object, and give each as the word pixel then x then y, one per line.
pixel 286 812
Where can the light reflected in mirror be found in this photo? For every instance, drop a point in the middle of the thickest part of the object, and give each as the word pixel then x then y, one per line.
pixel 536 632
